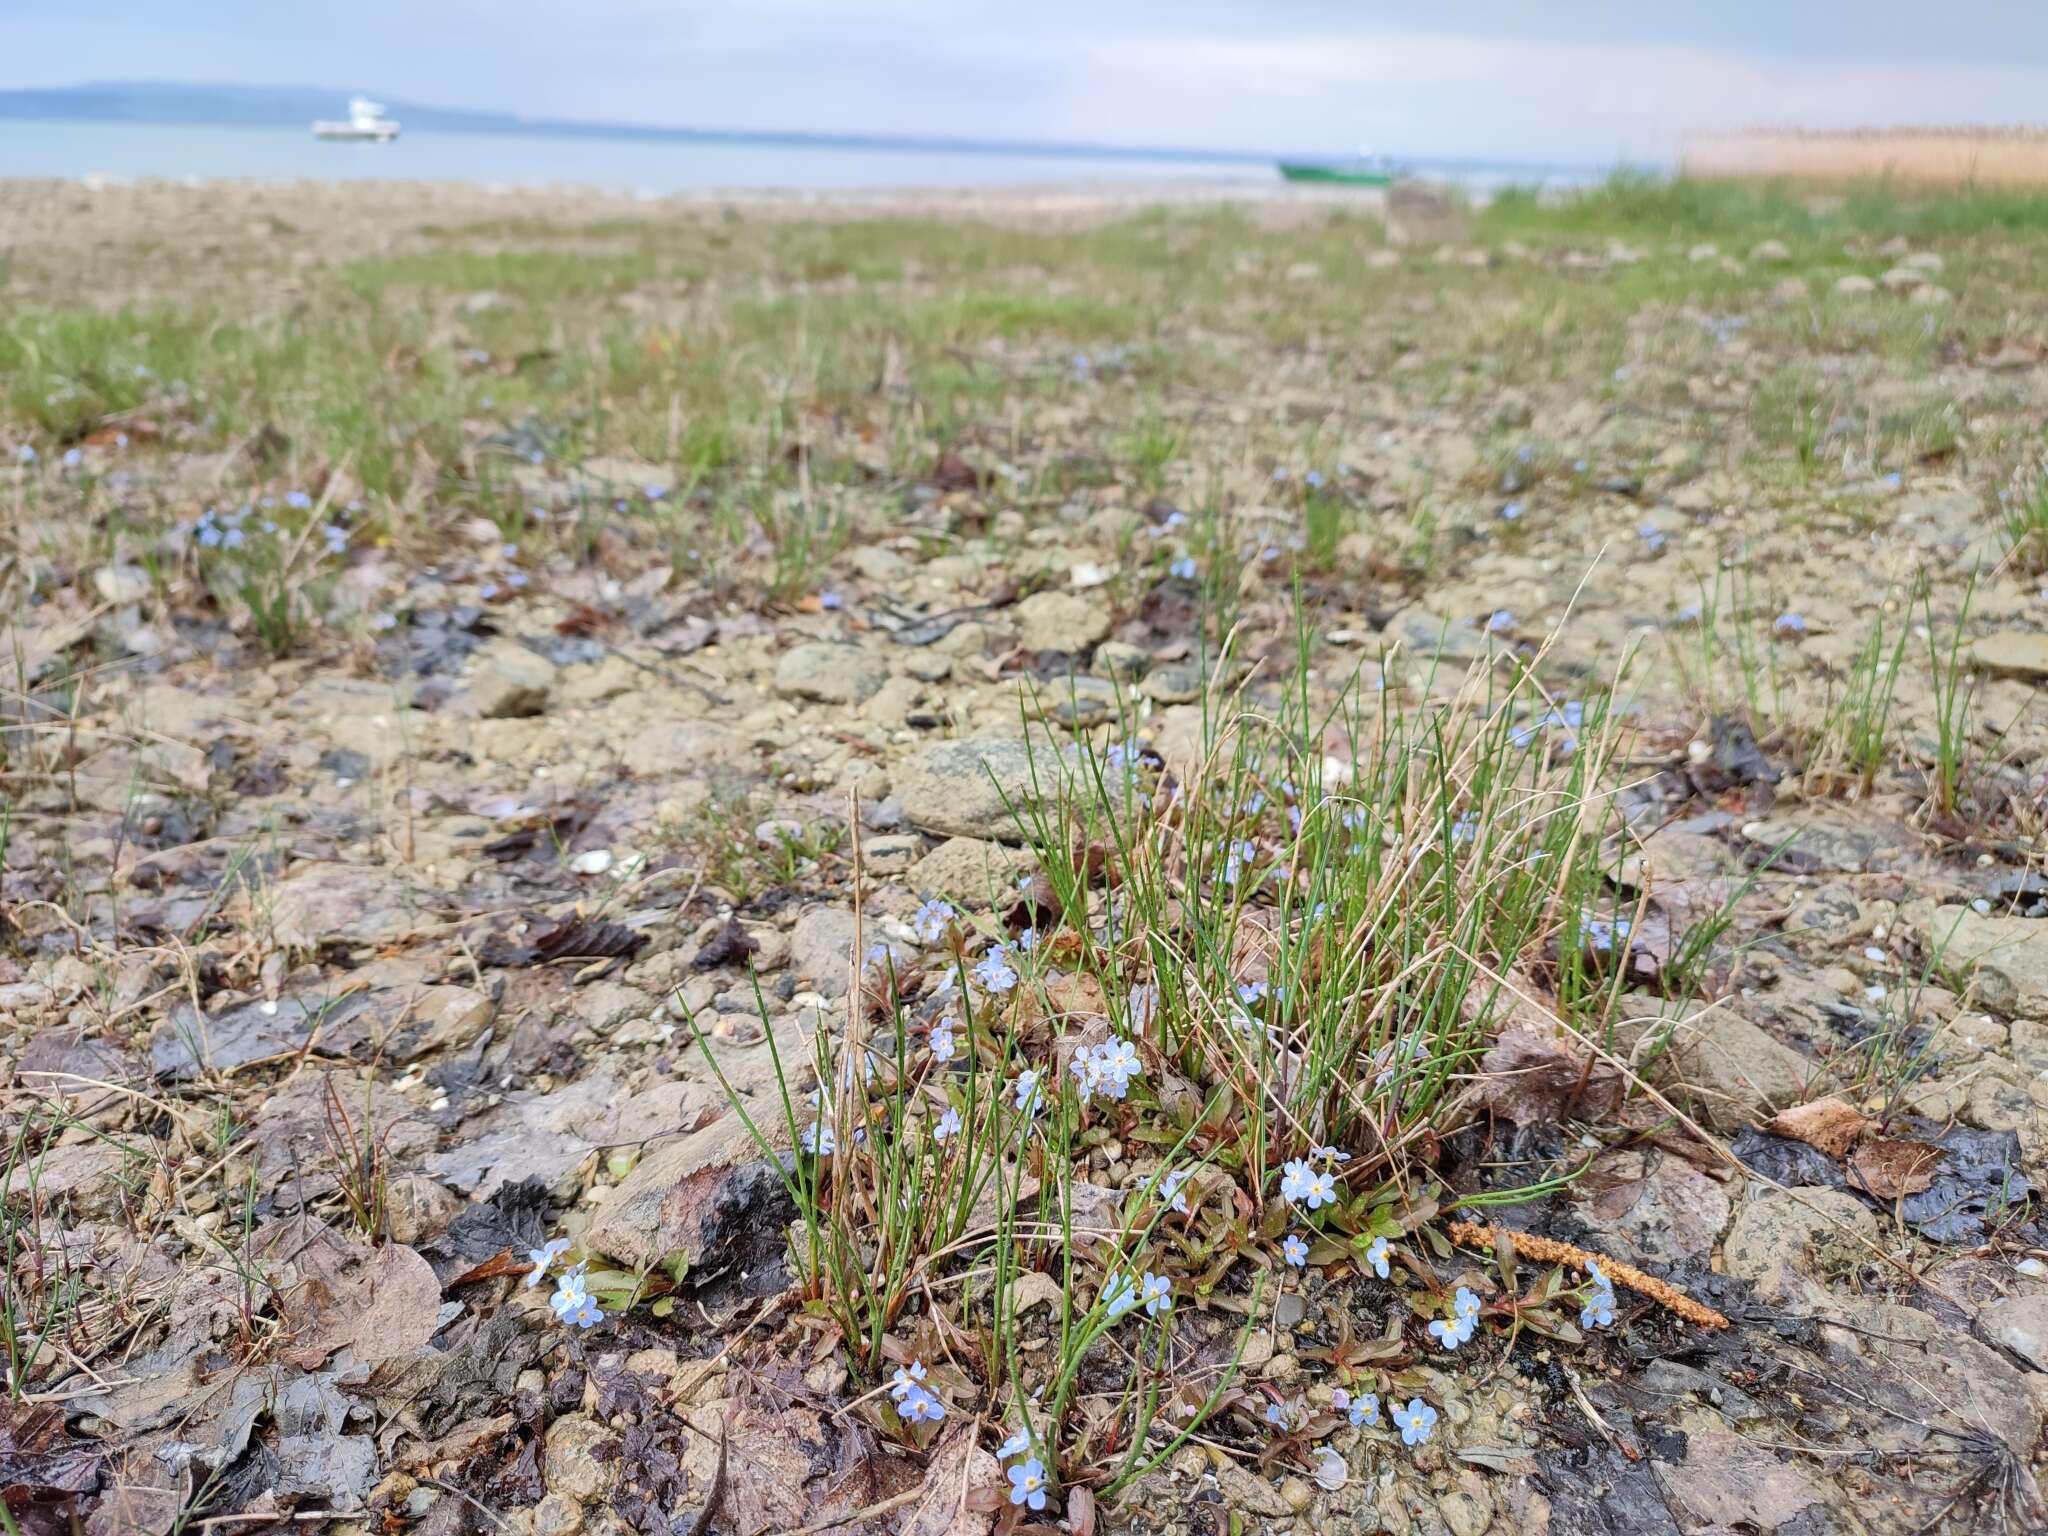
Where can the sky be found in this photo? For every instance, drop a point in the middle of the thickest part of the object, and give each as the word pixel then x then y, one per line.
pixel 1581 81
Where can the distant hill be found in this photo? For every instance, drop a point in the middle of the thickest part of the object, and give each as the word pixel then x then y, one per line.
pixel 294 106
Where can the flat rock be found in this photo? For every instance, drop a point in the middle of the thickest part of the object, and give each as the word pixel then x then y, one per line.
pixel 1737 1070
pixel 2010 955
pixel 1783 1242
pixel 2020 1324
pixel 509 682
pixel 970 869
pixel 1854 285
pixel 188 1042
pixel 959 788
pixel 1726 1484
pixel 1658 1206
pixel 1939 1373
pixel 1826 840
pixel 323 903
pixel 821 948
pixel 681 746
pixel 1425 636
pixel 826 673
pixel 2012 653
pixel 1061 621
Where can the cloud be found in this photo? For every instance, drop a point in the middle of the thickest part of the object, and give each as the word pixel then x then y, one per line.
pixel 1585 80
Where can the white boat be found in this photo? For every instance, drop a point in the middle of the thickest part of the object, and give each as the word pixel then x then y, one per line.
pixel 366 120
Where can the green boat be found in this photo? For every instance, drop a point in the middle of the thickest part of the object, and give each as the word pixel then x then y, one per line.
pixel 1361 174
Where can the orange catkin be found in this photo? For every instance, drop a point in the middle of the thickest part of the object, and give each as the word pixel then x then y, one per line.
pixel 1548 1250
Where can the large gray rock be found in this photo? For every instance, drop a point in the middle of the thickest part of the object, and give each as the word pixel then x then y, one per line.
pixel 1061 621
pixel 959 788
pixel 1736 1072
pixel 1951 1379
pixel 829 674
pixel 1784 1242
pixel 2010 955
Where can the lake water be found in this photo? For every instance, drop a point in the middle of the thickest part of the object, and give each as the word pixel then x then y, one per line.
pixel 73 150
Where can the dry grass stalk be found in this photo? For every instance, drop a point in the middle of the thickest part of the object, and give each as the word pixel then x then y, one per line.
pixel 2013 157
pixel 1548 1250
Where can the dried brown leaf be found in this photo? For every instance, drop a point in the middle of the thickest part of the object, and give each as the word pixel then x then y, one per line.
pixel 1887 1168
pixel 1827 1125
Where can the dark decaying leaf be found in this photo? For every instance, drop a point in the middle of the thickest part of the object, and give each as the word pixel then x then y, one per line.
pixel 655 1493
pixel 508 1473
pixel 39 1460
pixel 1784 1161
pixel 953 473
pixel 574 937
pixel 1036 906
pixel 513 1221
pixel 1978 1182
pixel 544 833
pixel 731 943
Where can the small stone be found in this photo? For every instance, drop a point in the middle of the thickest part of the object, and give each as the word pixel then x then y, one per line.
pixel 1464 1514
pixel 1702 252
pixel 1854 285
pixel 829 674
pixel 1178 682
pixel 1118 660
pixel 1769 250
pixel 1738 1071
pixel 1424 635
pixel 2009 954
pixel 121 584
pixel 821 948
pixel 573 1469
pixel 1929 295
pixel 893 854
pixel 1899 279
pixel 1061 621
pixel 1296 1493
pixel 1247 1492
pixel 557 1515
pixel 1789 290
